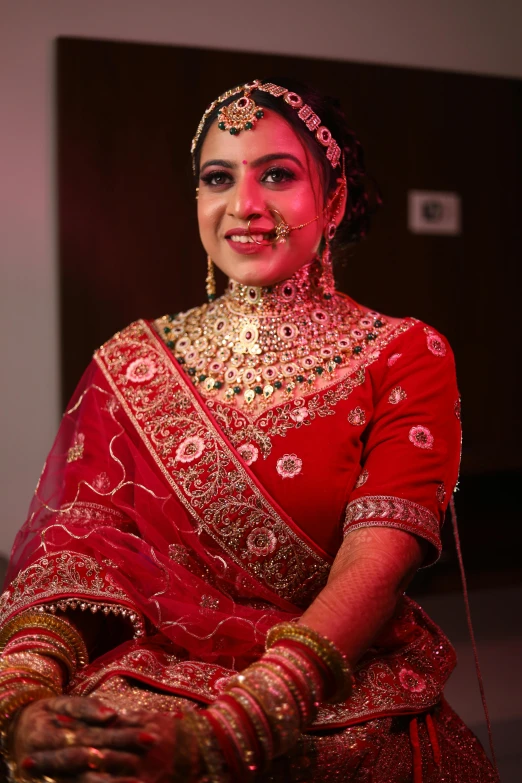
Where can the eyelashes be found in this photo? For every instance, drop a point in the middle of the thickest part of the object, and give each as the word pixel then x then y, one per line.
pixel 276 175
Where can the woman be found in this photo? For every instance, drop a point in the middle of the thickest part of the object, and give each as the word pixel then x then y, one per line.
pixel 268 470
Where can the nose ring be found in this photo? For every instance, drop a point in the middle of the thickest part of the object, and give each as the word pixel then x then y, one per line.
pixel 282 228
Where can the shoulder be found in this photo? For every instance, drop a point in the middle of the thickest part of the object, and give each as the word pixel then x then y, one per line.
pixel 173 327
pixel 401 345
pixel 169 327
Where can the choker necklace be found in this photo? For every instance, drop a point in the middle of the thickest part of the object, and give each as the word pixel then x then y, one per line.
pixel 255 342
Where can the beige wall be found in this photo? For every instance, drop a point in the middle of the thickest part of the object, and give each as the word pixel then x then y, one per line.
pixel 467 35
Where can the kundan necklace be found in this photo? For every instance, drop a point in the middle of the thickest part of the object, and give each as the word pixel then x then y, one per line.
pixel 253 342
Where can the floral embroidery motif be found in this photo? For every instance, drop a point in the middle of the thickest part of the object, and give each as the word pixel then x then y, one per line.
pixel 141 370
pixel 421 437
pixel 393 358
pixel 441 493
pixel 411 681
pixel 190 449
pixel 262 542
pixel 209 602
pixel 392 511
pixel 179 554
pixel 357 417
pixel 58 576
pixel 435 344
pixel 299 414
pixel 76 450
pixel 248 453
pixel 457 408
pixel 101 482
pixel 289 466
pixel 397 395
pixel 363 478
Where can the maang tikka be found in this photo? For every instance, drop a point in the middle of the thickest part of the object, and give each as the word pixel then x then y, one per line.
pixel 243 114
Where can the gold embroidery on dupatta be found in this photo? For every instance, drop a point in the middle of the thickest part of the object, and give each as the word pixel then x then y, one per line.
pixel 49 582
pixel 203 471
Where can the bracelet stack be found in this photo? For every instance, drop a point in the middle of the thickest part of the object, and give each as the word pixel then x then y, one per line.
pixel 265 708
pixel 38 652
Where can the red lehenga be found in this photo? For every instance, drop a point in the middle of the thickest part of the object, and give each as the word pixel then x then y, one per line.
pixel 193 528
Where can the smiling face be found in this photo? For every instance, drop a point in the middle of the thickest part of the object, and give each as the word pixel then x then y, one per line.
pixel 245 177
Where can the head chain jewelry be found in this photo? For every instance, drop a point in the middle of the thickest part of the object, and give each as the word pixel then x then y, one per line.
pixel 244 113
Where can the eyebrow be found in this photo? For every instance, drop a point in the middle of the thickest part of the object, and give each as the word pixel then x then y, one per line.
pixel 228 164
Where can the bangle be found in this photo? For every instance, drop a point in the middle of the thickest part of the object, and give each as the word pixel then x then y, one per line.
pixel 259 722
pixel 243 753
pixel 279 671
pixel 206 756
pixel 305 690
pixel 334 660
pixel 16 678
pixel 283 719
pixel 55 625
pixel 28 661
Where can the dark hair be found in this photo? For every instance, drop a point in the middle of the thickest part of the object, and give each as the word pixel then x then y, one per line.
pixel 363 193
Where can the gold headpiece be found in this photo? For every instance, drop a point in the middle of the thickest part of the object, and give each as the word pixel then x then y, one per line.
pixel 244 113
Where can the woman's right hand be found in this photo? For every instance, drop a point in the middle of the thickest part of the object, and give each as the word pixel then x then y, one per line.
pixel 73 738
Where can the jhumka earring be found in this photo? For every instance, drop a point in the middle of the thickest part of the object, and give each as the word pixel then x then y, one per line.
pixel 333 209
pixel 211 280
pixel 327 276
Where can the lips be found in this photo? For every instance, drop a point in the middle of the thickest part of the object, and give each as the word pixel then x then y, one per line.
pixel 243 241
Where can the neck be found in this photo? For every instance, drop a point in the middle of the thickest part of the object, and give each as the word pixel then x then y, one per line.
pixel 311 286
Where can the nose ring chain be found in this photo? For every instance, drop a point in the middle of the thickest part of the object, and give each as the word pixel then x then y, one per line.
pixel 282 228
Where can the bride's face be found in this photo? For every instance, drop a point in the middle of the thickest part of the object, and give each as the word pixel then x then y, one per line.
pixel 245 176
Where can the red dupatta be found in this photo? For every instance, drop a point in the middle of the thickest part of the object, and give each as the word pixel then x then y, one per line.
pixel 145 510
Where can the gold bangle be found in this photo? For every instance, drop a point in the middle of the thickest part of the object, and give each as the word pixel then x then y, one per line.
pixel 24 677
pixel 284 721
pixel 59 626
pixel 326 650
pixel 239 737
pixel 34 662
pixel 208 746
pixel 54 650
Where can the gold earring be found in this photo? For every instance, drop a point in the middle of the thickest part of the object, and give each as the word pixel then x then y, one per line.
pixel 211 280
pixel 327 276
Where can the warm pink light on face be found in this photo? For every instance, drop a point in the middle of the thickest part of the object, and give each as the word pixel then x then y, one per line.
pixel 239 182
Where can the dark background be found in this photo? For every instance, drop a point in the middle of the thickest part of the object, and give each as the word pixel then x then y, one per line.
pixel 129 244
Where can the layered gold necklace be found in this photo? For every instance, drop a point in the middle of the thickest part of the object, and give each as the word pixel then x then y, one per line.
pixel 254 342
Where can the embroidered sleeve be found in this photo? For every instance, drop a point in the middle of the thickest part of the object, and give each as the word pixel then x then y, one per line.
pixel 411 452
